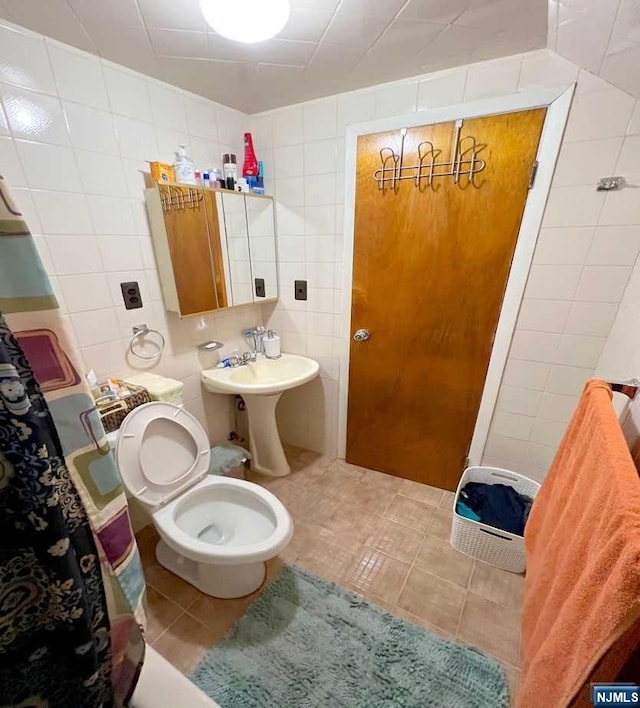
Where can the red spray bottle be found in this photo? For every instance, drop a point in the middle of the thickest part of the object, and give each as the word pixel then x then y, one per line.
pixel 250 166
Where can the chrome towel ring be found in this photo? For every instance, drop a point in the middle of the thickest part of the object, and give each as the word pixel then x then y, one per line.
pixel 142 331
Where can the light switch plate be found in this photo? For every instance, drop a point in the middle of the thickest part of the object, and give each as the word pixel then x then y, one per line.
pixel 300 289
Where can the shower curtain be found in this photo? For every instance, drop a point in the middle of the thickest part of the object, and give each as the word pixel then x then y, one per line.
pixel 71 583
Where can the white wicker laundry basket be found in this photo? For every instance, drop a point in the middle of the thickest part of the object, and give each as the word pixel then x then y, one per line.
pixel 486 543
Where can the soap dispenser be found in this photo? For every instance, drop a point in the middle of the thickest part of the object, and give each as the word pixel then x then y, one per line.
pixel 271 344
pixel 184 167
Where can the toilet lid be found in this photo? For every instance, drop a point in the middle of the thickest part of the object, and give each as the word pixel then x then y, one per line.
pixel 161 450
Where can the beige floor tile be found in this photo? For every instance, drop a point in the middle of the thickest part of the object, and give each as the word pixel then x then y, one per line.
pixel 440 525
pixel 351 523
pixel 410 512
pixel 447 500
pixel 492 628
pixel 314 506
pixel 414 619
pixel 421 492
pixel 338 484
pixel 433 599
pixel 220 615
pixel 372 499
pixel 326 559
pixel 185 643
pixel 306 460
pixel 170 585
pixel 497 585
pixel 376 573
pixel 346 470
pixel 436 556
pixel 160 611
pixel 396 540
pixel 380 480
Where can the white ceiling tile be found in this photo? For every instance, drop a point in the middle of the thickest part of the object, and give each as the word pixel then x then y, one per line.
pixel 443 11
pixel 316 4
pixel 178 43
pixel 306 24
pixel 355 30
pixel 128 46
pixel 169 14
pixel 54 17
pixel 95 16
pixel 358 38
pixel 379 8
pixel 452 47
pixel 281 51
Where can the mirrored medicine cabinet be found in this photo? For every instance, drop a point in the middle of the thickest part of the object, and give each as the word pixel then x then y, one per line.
pixel 214 248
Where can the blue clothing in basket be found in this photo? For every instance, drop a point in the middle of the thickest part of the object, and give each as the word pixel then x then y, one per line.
pixel 496 505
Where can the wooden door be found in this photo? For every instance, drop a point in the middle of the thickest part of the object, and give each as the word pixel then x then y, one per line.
pixel 430 270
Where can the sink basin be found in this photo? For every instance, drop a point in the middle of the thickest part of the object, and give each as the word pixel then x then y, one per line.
pixel 261 384
pixel 263 377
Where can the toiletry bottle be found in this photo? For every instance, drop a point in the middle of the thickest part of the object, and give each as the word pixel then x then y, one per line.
pixel 230 169
pixel 185 171
pixel 217 180
pixel 206 179
pixel 250 166
pixel 271 342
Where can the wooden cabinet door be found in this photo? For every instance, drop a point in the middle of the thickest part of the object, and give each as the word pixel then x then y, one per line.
pixel 192 248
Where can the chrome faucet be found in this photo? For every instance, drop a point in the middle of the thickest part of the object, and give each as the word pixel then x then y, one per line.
pixel 253 337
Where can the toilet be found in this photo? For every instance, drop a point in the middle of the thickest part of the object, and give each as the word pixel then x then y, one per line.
pixel 216 532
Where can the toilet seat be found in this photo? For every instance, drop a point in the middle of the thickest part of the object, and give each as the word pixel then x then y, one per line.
pixel 210 490
pixel 161 451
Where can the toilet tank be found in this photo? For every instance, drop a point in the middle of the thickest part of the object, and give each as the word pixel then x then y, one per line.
pixel 160 388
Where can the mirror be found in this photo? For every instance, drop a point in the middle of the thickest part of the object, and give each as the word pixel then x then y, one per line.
pixel 262 246
pixel 233 218
pixel 214 248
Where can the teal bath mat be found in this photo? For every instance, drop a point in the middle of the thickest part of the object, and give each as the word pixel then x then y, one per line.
pixel 308 643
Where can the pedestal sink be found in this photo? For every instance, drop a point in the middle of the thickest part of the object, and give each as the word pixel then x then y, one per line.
pixel 261 383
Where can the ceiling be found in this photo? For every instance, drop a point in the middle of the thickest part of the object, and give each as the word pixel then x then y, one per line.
pixel 602 36
pixel 327 47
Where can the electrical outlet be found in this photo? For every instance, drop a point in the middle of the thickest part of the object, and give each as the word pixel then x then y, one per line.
pixel 260 288
pixel 131 295
pixel 300 289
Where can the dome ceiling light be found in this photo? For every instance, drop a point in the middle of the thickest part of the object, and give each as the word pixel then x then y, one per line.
pixel 247 21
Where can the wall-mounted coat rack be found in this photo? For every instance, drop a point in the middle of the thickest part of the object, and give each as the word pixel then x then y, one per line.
pixel 464 162
pixel 179 197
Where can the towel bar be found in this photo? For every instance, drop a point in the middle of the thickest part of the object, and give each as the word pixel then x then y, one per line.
pixel 628 388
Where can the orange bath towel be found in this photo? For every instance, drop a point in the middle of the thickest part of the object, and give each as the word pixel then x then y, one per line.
pixel 581 616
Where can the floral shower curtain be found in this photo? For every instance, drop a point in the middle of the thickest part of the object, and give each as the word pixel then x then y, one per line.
pixel 71 583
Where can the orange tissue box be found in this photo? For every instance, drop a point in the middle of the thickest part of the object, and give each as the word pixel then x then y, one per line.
pixel 161 172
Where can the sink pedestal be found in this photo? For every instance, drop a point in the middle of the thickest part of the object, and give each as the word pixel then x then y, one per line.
pixel 267 454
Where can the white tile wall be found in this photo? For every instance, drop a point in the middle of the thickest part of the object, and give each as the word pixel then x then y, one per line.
pixel 79 133
pixel 585 252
